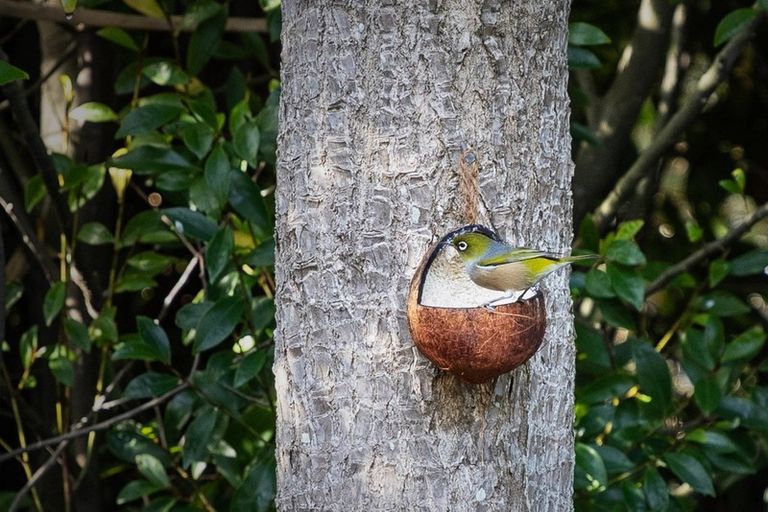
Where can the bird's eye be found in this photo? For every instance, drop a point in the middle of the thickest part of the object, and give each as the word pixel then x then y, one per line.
pixel 462 246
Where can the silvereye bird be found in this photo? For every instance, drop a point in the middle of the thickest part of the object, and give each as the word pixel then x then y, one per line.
pixel 491 263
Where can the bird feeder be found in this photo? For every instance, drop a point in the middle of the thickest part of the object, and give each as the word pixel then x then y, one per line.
pixel 450 326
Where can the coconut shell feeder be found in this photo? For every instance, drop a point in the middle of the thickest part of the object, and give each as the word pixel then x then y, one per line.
pixel 448 322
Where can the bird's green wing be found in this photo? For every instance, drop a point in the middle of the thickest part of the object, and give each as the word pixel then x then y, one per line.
pixel 514 255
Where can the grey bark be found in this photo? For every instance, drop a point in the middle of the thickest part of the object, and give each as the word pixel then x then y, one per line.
pixel 378 101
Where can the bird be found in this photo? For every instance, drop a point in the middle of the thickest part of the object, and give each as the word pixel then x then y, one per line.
pixel 494 264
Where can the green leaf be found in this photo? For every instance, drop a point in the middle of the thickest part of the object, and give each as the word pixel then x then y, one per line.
pixel 147 118
pixel 262 312
pixel 133 281
pixel 218 322
pixel 153 470
pixel 740 178
pixel 590 471
pixel 28 347
pixel 690 471
pixel 189 315
pixel 125 442
pixel 146 7
pixel 154 336
pixel 150 159
pixel 598 284
pixel 655 489
pixel 626 252
pixel 751 263
pixel 198 12
pixel 134 490
pixel 263 255
pixel 249 367
pixel 217 169
pixel 581 58
pixel 722 304
pixel 729 186
pixel 653 377
pixel 95 233
pixel 732 24
pixel 204 41
pixel 201 199
pixel 614 459
pixel 627 230
pixel 745 346
pixel 218 252
pixel 584 34
pixel 93 112
pixel 150 385
pixel 581 132
pixel 198 138
pixel 150 262
pixel 695 349
pixel 9 73
pixel 77 334
pixel 34 192
pixel 103 327
pixel 627 284
pixel 246 143
pixel 191 224
pixel 606 388
pixel 718 270
pixel 693 231
pixel 165 72
pixel 197 437
pixel 54 301
pixel 60 364
pixel 713 440
pixel 617 314
pixel 118 36
pixel 257 491
pixel 246 199
pixel 707 394
pixel 13 292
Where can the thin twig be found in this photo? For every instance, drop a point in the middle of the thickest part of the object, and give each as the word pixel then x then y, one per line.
pixel 100 18
pixel 42 470
pixel 103 425
pixel 718 245
pixel 177 287
pixel 682 119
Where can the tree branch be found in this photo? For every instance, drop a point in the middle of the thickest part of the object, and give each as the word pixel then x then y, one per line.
pixel 102 425
pixel 717 72
pixel 718 245
pixel 614 116
pixel 100 18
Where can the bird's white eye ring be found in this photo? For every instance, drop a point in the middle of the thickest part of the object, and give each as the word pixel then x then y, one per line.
pixel 462 245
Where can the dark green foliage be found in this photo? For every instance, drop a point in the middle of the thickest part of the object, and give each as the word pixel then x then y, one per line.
pixel 671 380
pixel 187 311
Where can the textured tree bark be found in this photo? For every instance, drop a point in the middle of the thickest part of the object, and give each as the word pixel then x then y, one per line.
pixel 378 102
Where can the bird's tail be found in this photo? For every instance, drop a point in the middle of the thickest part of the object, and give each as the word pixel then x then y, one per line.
pixel 580 257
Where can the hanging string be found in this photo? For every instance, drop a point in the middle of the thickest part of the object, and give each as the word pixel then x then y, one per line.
pixel 469 191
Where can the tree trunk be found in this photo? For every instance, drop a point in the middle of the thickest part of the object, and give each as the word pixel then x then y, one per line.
pixel 378 103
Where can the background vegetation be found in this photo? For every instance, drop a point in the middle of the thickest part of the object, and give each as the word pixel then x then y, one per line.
pixel 136 371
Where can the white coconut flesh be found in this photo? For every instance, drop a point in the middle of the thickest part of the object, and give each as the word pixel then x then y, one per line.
pixel 447 285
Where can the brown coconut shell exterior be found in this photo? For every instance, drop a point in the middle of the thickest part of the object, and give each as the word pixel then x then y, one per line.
pixel 476 344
